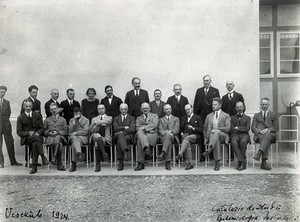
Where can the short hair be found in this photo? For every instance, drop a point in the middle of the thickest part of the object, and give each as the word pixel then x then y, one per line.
pixel 27 101
pixel 177 84
pixel 206 76
pixel 76 109
pixel 218 99
pixel 3 87
pixel 123 104
pixel 53 104
pixel 70 89
pixel 107 87
pixel 240 102
pixel 157 90
pixel 134 78
pixel 90 89
pixel 30 88
pixel 265 98
pixel 189 105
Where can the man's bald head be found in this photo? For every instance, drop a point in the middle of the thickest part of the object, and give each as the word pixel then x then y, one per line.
pixel 54 94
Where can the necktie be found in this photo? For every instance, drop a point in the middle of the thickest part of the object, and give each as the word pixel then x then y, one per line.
pixel 123 119
pixel 136 93
pixel 230 96
pixel 264 116
pixel 206 90
pixel 101 118
pixel 71 103
pixel 216 115
pixel 168 117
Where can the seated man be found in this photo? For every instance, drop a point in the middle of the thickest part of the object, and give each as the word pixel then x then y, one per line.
pixel 56 129
pixel 78 136
pixel 100 130
pixel 146 136
pixel 124 128
pixel 239 135
pixel 216 129
pixel 264 127
pixel 191 128
pixel 168 129
pixel 30 129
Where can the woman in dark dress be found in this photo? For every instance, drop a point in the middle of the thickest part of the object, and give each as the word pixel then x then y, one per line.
pixel 90 104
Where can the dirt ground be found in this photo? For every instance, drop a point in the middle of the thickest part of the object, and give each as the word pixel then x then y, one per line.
pixel 151 198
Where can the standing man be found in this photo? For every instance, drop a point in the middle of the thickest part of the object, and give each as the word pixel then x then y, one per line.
pixel 134 98
pixel 36 104
pixel 101 134
pixel 146 136
pixel 124 128
pixel 78 136
pixel 191 129
pixel 264 127
pixel 177 101
pixel 54 97
pixel 111 102
pixel 204 97
pixel 239 135
pixel 56 129
pixel 5 130
pixel 230 99
pixel 157 106
pixel 168 129
pixel 30 129
pixel 216 129
pixel 68 105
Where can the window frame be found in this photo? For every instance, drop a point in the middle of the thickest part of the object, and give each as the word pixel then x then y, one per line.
pixel 271 75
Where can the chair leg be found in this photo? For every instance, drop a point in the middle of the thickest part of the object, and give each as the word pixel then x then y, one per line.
pixel 174 160
pixel 206 159
pixel 87 156
pixel 253 152
pixel 223 155
pixel 179 147
pixel 271 147
pixel 156 151
pixel 70 155
pixel 229 155
pixel 66 150
pixel 277 154
pixel 111 156
pixel 196 154
pixel 48 153
pixel 115 152
pixel 131 156
pixel 295 155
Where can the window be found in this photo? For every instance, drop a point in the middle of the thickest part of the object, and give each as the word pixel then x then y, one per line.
pixel 266 54
pixel 288 54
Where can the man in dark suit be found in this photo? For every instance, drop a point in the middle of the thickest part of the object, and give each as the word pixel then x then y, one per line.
pixel 36 104
pixel 216 129
pixel 124 128
pixel 168 129
pixel 5 130
pixel 177 101
pixel 111 102
pixel 134 98
pixel 30 129
pixel 264 126
pixel 204 97
pixel 157 106
pixel 191 127
pixel 239 135
pixel 68 105
pixel 54 97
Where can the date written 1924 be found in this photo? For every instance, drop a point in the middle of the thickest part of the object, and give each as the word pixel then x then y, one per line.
pixel 59 215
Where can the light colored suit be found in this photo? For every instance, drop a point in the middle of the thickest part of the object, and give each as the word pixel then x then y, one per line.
pixel 95 129
pixel 167 138
pixel 259 124
pixel 58 124
pixel 148 138
pixel 215 139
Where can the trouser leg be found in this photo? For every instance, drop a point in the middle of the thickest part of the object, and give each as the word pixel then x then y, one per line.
pixel 9 140
pixel 1 153
pixel 235 144
pixel 167 146
pixel 265 142
pixel 140 151
pixel 76 147
pixel 35 152
pixel 122 141
pixel 214 143
pixel 243 147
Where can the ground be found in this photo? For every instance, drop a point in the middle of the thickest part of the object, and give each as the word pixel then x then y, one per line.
pixel 153 198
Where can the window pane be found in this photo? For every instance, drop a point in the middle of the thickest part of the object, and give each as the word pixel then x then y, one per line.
pixel 264 40
pixel 264 68
pixel 289 53
pixel 264 54
pixel 289 67
pixel 289 39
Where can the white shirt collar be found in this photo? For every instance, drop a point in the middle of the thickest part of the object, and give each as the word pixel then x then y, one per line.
pixel 231 92
pixel 30 113
pixel 55 101
pixel 190 116
pixel 70 100
pixel 32 98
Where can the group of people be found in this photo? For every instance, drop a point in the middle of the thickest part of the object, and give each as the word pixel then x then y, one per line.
pixel 210 122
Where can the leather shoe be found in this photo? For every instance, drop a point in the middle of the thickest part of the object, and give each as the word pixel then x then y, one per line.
pixel 168 165
pixel 265 166
pixel 217 166
pixel 105 156
pixel 45 161
pixel 126 156
pixel 257 156
pixel 54 161
pixel 178 157
pixel 61 168
pixel 121 165
pixel 238 166
pixel 17 164
pixel 80 157
pixel 73 167
pixel 244 165
pixel 206 154
pixel 1 165
pixel 33 170
pixel 139 167
pixel 189 167
pixel 161 156
pixel 98 167
pixel 38 165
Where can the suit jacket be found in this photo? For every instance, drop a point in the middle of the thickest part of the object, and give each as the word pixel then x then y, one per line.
pixel 224 125
pixel 5 111
pixel 119 126
pixel 67 112
pixel 243 125
pixel 150 124
pixel 178 108
pixel 134 103
pixel 157 109
pixel 47 107
pixel 81 127
pixel 58 124
pixel 173 125
pixel 112 109
pixel 258 123
pixel 228 105
pixel 203 103
pixel 96 129
pixel 36 105
pixel 24 125
pixel 195 122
